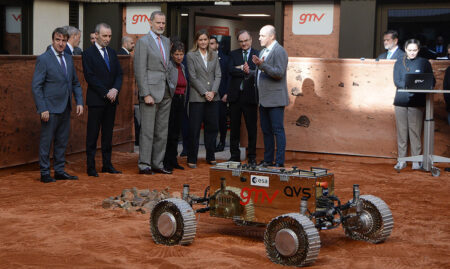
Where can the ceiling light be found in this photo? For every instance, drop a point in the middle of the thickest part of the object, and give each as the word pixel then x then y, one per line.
pixel 184 14
pixel 222 3
pixel 253 15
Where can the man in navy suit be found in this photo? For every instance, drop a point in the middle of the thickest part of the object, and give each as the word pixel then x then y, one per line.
pixel 54 82
pixel 223 88
pixel 390 41
pixel 103 74
pixel 242 97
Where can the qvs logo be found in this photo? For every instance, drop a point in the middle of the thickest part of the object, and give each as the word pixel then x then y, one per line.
pixel 310 18
pixel 261 181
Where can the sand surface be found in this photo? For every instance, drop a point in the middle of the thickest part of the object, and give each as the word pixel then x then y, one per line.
pixel 63 225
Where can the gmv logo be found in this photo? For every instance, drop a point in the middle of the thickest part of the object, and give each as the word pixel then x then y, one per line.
pixel 308 17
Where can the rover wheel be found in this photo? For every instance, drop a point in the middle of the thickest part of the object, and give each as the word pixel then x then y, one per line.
pixel 374 224
pixel 292 239
pixel 172 222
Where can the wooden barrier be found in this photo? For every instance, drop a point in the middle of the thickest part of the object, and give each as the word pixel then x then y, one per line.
pixel 20 124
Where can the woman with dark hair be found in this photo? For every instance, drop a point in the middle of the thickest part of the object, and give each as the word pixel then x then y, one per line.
pixel 409 107
pixel 178 78
pixel 204 78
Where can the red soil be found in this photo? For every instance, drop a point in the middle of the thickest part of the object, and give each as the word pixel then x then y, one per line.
pixel 63 225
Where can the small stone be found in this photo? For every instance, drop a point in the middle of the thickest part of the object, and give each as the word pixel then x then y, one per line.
pixel 107 203
pixel 341 84
pixel 124 192
pixel 144 193
pixel 134 190
pixel 149 206
pixel 137 201
pixel 141 210
pixel 154 195
pixel 129 196
pixel 176 194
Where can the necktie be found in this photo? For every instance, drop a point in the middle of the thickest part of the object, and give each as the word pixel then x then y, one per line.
pixel 245 60
pixel 63 66
pixel 105 56
pixel 389 55
pixel 161 49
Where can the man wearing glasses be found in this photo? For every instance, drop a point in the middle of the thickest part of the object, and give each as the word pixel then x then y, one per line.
pixel 242 97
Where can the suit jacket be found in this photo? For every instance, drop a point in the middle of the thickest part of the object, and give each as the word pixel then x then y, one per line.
pixel 174 74
pixel 398 54
pixel 272 85
pixel 237 76
pixel 77 51
pixel 150 70
pixel 100 80
pixel 52 90
pixel 122 51
pixel 224 80
pixel 203 79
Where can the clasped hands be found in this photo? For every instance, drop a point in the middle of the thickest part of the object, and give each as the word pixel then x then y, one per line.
pixel 112 95
pixel 209 96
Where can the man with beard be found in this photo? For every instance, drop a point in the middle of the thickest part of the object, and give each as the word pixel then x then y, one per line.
pixel 390 40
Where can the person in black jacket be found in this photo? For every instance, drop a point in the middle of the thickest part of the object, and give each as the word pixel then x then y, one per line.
pixel 103 74
pixel 409 107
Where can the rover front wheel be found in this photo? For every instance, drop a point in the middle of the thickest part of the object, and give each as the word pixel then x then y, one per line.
pixel 172 222
pixel 292 239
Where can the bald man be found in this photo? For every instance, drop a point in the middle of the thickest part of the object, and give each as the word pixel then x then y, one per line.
pixel 273 95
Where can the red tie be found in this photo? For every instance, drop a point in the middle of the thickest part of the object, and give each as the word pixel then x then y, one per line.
pixel 161 49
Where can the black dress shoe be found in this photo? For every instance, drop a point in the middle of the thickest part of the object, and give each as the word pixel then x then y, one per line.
pixel 111 170
pixel 279 165
pixel 265 164
pixel 47 179
pixel 183 154
pixel 252 162
pixel 213 162
pixel 92 173
pixel 220 147
pixel 64 176
pixel 162 171
pixel 232 159
pixel 146 171
pixel 177 166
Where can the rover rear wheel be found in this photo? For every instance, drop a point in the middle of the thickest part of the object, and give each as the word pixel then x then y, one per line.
pixel 172 222
pixel 374 224
pixel 292 239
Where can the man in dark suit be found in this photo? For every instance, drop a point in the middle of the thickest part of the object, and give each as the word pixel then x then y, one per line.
pixel 54 82
pixel 103 74
pixel 223 88
pixel 242 97
pixel 390 40
pixel 152 72
pixel 273 95
pixel 127 46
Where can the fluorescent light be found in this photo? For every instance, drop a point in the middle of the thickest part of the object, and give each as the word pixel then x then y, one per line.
pixel 222 3
pixel 184 14
pixel 253 15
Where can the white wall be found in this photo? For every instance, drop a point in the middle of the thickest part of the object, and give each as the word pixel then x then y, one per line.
pixel 80 22
pixel 47 15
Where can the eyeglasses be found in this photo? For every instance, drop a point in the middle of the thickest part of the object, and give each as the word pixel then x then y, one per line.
pixel 244 41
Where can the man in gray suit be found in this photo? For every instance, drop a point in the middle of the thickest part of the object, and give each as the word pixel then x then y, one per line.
pixel 152 69
pixel 54 82
pixel 273 95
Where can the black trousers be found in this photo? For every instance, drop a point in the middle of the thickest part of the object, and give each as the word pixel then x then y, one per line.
pixel 208 114
pixel 175 121
pixel 237 109
pixel 100 118
pixel 222 121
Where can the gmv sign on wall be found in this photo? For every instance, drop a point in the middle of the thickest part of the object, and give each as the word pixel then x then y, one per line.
pixel 138 17
pixel 310 18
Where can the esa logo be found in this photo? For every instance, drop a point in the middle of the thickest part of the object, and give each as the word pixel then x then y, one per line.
pixel 261 181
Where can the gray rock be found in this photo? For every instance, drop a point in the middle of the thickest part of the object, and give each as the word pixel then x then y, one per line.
pixel 137 201
pixel 107 203
pixel 144 193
